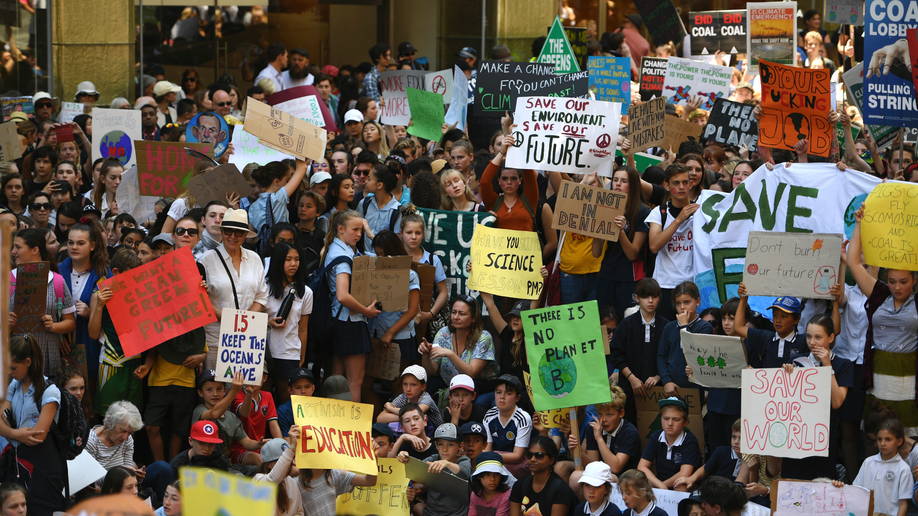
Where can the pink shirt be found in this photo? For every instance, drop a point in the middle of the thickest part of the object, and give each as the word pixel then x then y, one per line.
pixel 498 506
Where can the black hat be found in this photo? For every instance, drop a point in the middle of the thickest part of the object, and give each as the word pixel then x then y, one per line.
pixel 508 378
pixel 301 51
pixel 464 66
pixel 406 48
pixel 475 428
pixel 518 308
pixel 91 208
pixel 300 373
pixel 383 429
pixel 207 375
pixel 636 19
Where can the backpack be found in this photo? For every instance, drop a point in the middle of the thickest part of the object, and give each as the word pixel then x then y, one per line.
pixel 71 429
pixel 321 320
pixel 393 218
pixel 264 232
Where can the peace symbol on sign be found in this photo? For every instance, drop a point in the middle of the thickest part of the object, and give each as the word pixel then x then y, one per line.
pixel 517 139
pixel 603 141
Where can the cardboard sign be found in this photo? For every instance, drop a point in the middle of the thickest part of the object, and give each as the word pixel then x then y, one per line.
pixel 686 78
pixel 662 20
pixel 557 50
pixel 208 491
pixel 552 418
pixel 69 111
pixel 564 346
pixel 129 198
pixel 576 136
pixel 115 132
pixel 717 361
pixel 499 84
pixel 771 33
pixel 645 124
pixel 888 81
pixel 304 103
pixel 786 415
pixel 163 168
pixel 394 91
pixel 214 184
pixel 805 498
pixel 157 301
pixel 335 434
pixel 446 483
pixel 588 210
pixel 23 104
pixel 506 263
pixel 440 83
pixel 386 498
pixel 653 73
pixel 718 30
pixel 887 233
pixel 732 123
pixel 795 105
pixel 883 135
pixel 284 132
pixel 31 297
pixel 426 114
pixel 10 149
pixel 449 236
pixel 243 336
pixel 248 150
pixel 383 278
pixel 610 79
pixel 677 130
pixel 384 363
pixel 792 264
pixel 426 277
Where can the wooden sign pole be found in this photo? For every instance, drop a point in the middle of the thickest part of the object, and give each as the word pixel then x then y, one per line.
pixel 575 431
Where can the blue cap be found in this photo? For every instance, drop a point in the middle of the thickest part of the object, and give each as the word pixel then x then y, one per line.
pixel 474 428
pixel 787 304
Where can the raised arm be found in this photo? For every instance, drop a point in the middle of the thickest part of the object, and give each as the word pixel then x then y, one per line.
pixel 865 282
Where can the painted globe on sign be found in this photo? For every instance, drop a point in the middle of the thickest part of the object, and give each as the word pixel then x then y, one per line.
pixel 558 377
pixel 116 144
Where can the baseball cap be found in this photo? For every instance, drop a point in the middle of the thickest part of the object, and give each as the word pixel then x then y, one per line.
pixel 508 378
pixel 319 177
pixel 468 53
pixel 164 87
pixel 91 208
pixel 207 375
pixel 273 449
pixel 330 70
pixel 692 499
pixel 18 116
pixel 447 432
pixel 596 474
pixel 672 401
pixel 353 116
pixel 462 381
pixel 475 428
pixel 462 65
pixel 746 85
pixel 405 48
pixel 300 373
pixel 383 429
pixel 518 308
pixel 163 237
pixel 337 388
pixel 787 304
pixel 300 51
pixel 417 372
pixel 206 432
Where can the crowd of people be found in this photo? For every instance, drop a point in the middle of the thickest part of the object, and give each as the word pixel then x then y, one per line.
pixel 460 403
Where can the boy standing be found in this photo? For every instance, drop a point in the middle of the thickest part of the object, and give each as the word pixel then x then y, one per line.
pixel 462 408
pixel 204 438
pixel 447 462
pixel 771 348
pixel 414 390
pixel 300 383
pixel 509 426
pixel 258 414
pixel 675 452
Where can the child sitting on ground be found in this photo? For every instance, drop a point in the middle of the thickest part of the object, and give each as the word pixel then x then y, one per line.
pixel 674 451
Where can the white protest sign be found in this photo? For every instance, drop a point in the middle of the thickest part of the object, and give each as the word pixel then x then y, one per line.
pixel 686 78
pixel 459 104
pixel 395 86
pixel 556 134
pixel 668 501
pixel 83 471
pixel 242 346
pixel 786 415
pixel 114 133
pixel 129 199
pixel 69 111
pixel 799 498
pixel 717 361
pixel 792 264
pixel 441 83
pixel 305 108
pixel 248 150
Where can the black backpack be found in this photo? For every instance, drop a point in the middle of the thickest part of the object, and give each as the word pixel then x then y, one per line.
pixel 321 319
pixel 71 429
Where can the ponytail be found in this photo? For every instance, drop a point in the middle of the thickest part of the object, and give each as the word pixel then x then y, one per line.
pixel 23 347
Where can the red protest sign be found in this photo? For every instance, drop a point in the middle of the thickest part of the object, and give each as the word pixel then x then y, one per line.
pixel 795 106
pixel 164 167
pixel 158 301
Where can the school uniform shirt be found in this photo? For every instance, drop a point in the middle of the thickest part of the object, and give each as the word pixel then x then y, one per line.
pixel 766 349
pixel 624 439
pixel 505 437
pixel 256 424
pixel 615 265
pixel 285 342
pixel 385 320
pixel 379 218
pixel 258 209
pixel 650 510
pixel 849 344
pixel 634 345
pixel 891 481
pixel 670 459
pixel 285 417
pixel 25 412
pixel 674 262
pixel 670 358
pixel 336 249
pixel 606 509
pixel 555 492
pixel 441 504
pixel 724 462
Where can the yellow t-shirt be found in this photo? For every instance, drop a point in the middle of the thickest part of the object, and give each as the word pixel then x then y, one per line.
pixel 165 373
pixel 577 255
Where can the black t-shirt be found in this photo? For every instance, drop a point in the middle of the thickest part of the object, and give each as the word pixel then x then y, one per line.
pixel 615 265
pixel 506 354
pixel 32 186
pixel 477 415
pixel 215 460
pixel 420 455
pixel 555 492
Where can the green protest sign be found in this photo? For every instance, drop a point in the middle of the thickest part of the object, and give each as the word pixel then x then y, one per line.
pixel 449 235
pixel 558 51
pixel 840 132
pixel 426 114
pixel 567 359
pixel 642 160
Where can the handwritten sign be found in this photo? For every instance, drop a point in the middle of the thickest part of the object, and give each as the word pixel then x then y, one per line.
pixel 304 103
pixel 610 79
pixel 246 149
pixel 795 105
pixel 676 130
pixel 557 418
pixel 645 124
pixel 499 84
pixel 383 278
pixel 384 363
pixel 506 263
pixel 31 297
pixel 648 412
pixel 20 104
pixel 792 264
pixel 10 149
pixel 395 86
pixel 718 30
pixel 214 184
pixel 335 434
pixel 653 74
pixel 440 83
pixel 566 357
pixel 662 20
pixel 801 498
pixel 444 482
pixel 450 237
pixel 386 498
pixel 771 33
pixel 427 278
pixel 284 132
pixel 886 231
pixel 888 82
pixel 576 136
pixel 686 78
pixel 588 210
pixel 426 114
pixel 242 346
pixel 207 491
pixel 69 111
pixel 164 167
pixel 717 361
pixel 786 415
pixel 157 301
pixel 115 132
pixel 732 123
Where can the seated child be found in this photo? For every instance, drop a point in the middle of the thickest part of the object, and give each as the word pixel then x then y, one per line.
pixel 414 441
pixel 414 390
pixel 204 438
pixel 447 462
pixel 258 414
pixel 474 440
pixel 637 493
pixel 462 407
pixel 491 483
pixel 509 426
pixel 675 451
pixel 384 438
pixel 726 462
pixel 597 484
pixel 300 383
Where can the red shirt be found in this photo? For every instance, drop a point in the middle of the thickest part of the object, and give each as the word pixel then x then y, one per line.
pixel 256 425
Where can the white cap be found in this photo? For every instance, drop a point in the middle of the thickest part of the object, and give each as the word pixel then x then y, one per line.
pixel 320 177
pixel 353 116
pixel 86 88
pixel 164 87
pixel 596 473
pixel 414 370
pixel 462 381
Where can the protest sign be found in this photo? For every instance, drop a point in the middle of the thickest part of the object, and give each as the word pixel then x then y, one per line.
pixel 444 482
pixel 668 502
pixel 718 30
pixel 23 104
pixel 506 263
pixel 115 132
pixel 577 37
pixel 386 498
pixel 164 167
pixel 83 471
pixel 440 83
pixel 498 85
pixel 208 491
pixel 805 498
pixel 848 12
pixel 556 418
pixel 10 149
pixel 304 103
pixel 641 160
pixel 384 362
pixel 211 129
pixel 883 135
pixel 653 73
pixel 69 110
pixel 662 20
pixel 383 278
pixel 426 114
pixel 889 91
pixel 792 264
pixel 771 33
pixel 732 123
pixel 588 210
pixel 335 434
pixel 449 236
pixel 248 150
pixel 648 412
pixel 840 134
pixel 157 301
pixel 394 91
pixel 686 78
pixel 576 136
pixel 888 232
pixel 284 132
pixel 557 50
pixel 568 364
pixel 459 103
pixel 610 79
pixel 645 124
pixel 426 277
pixel 30 297
pixel 242 346
pixel 129 198
pixel 786 415
pixel 717 361
pixel 677 130
pixel 795 105
pixel 214 184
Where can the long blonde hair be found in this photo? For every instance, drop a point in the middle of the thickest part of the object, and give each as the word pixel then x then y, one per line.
pixel 340 218
pixel 446 202
pixel 383 143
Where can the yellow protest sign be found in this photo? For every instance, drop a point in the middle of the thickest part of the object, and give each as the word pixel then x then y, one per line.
pixel 205 491
pixel 506 263
pixel 555 418
pixel 386 498
pixel 888 231
pixel 335 434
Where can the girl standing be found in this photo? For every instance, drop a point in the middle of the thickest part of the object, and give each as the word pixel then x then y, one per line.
pixel 11 192
pixel 413 227
pixel 891 496
pixel 462 157
pixel 670 358
pixel 103 192
pixel 40 209
pixel 514 205
pixel 374 140
pixel 340 196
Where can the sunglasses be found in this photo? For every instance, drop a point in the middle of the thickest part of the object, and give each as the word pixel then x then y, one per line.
pixel 362 172
pixel 190 79
pixel 534 455
pixel 222 104
pixel 182 231
pixel 44 105
pixel 238 233
pixel 41 206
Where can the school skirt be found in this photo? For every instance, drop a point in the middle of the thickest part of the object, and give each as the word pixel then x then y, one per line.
pixel 894 386
pixel 350 338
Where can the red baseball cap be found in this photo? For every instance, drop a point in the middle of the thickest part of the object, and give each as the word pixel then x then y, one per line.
pixel 206 432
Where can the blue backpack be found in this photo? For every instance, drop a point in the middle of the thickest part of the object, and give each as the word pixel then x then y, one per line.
pixel 321 320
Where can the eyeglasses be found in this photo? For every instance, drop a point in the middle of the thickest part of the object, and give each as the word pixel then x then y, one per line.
pixel 41 206
pixel 182 231
pixel 238 233
pixel 222 104
pixel 534 455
